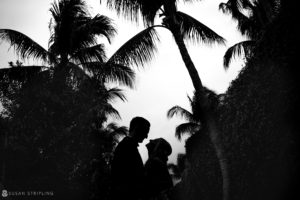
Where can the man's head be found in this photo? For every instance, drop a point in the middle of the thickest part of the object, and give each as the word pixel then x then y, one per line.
pixel 139 128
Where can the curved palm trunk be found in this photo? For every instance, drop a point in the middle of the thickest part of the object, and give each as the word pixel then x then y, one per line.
pixel 215 139
pixel 210 122
pixel 187 60
pixel 174 27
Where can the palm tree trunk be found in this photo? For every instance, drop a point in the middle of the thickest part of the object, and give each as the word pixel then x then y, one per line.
pixel 214 135
pixel 187 60
pixel 208 117
pixel 210 121
pixel 174 27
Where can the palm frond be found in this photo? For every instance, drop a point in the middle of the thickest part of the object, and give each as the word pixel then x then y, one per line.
pixel 190 1
pixel 102 108
pixel 112 72
pixel 77 71
pixel 149 11
pixel 259 18
pixel 91 54
pixel 233 8
pixel 186 128
pixel 23 45
pixel 225 8
pixel 120 74
pixel 98 25
pixel 109 110
pixel 68 8
pixel 190 99
pixel 115 93
pixel 67 17
pixel 183 113
pixel 138 50
pixel 111 126
pixel 241 48
pixel 120 131
pixel 134 9
pixel 252 16
pixel 55 11
pixel 249 27
pixel 130 9
pixel 194 30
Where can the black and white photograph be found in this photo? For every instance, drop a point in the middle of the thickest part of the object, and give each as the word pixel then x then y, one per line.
pixel 149 100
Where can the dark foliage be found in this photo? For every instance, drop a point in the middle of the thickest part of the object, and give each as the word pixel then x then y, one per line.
pixel 258 121
pixel 253 18
pixel 201 178
pixel 55 137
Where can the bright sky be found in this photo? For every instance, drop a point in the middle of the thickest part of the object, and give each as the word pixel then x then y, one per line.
pixel 164 82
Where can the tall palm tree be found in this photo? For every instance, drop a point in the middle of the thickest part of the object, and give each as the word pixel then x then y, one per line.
pixel 253 17
pixel 74 53
pixel 183 27
pixel 73 45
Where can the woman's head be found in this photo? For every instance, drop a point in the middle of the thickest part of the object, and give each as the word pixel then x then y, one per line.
pixel 159 148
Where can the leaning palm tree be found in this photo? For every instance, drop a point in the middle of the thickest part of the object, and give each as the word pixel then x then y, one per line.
pixel 253 17
pixel 183 27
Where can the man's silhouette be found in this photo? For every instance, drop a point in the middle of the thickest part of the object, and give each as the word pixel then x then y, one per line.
pixel 128 175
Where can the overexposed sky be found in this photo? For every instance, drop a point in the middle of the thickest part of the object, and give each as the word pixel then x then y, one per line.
pixel 164 82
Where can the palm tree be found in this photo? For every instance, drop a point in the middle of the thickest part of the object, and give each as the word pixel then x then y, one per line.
pixel 73 46
pixel 183 27
pixel 73 55
pixel 253 18
pixel 197 122
pixel 193 123
pixel 194 118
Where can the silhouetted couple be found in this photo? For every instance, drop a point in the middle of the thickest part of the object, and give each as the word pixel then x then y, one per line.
pixel 130 178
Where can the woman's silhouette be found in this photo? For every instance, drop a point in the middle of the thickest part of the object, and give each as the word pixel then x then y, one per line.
pixel 157 174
